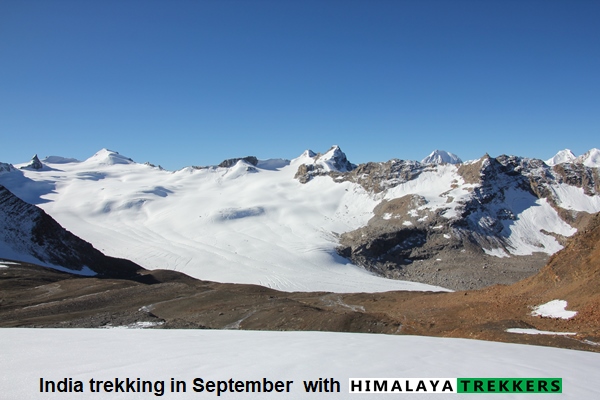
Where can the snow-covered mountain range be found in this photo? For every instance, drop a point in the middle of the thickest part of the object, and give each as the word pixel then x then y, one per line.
pixel 281 223
pixel 589 159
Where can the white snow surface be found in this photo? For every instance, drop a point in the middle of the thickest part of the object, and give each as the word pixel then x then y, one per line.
pixel 590 159
pixel 531 331
pixel 525 237
pixel 159 355
pixel 242 224
pixel 440 157
pixel 562 156
pixel 59 160
pixel 574 198
pixel 554 309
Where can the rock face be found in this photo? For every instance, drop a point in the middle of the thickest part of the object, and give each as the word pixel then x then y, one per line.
pixel 332 161
pixel 232 161
pixel 35 163
pixel 470 225
pixel 27 231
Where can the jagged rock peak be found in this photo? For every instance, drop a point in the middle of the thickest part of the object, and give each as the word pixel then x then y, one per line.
pixel 232 161
pixel 441 157
pixel 562 156
pixel 35 163
pixel 335 160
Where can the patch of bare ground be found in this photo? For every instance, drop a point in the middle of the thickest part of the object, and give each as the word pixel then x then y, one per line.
pixel 38 297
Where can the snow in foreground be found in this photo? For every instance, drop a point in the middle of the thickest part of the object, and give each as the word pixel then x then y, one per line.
pixel 31 354
pixel 554 309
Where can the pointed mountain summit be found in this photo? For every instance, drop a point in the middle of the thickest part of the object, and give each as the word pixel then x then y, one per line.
pixel 334 160
pixel 35 163
pixel 562 156
pixel 441 157
pixel 308 153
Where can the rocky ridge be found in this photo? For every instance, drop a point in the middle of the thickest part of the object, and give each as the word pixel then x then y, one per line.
pixel 474 226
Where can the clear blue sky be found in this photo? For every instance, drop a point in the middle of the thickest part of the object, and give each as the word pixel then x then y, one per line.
pixel 183 83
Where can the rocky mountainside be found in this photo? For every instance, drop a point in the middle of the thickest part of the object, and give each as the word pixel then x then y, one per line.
pixel 28 233
pixel 494 220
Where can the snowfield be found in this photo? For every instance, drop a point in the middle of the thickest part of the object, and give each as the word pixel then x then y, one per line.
pixel 243 224
pixel 159 355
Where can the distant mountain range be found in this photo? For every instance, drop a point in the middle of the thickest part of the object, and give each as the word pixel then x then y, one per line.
pixel 306 224
pixel 589 159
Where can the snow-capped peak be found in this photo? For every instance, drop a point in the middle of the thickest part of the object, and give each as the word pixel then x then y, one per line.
pixel 591 158
pixel 335 160
pixel 308 153
pixel 562 156
pixel 108 157
pixel 441 157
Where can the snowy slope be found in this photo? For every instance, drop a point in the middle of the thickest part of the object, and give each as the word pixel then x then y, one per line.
pixel 243 224
pixel 159 355
pixel 590 158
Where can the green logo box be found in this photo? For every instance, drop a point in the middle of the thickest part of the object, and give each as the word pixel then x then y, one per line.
pixel 509 385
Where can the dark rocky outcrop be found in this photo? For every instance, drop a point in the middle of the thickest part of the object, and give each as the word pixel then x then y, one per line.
pixel 232 161
pixel 35 163
pixel 27 229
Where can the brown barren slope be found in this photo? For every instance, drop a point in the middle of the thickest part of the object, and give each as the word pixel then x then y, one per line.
pixel 573 274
